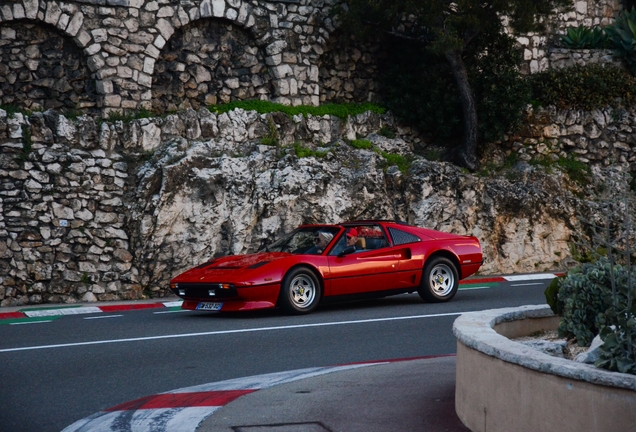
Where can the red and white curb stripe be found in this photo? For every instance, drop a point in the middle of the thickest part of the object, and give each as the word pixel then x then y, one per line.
pixel 184 409
pixel 37 313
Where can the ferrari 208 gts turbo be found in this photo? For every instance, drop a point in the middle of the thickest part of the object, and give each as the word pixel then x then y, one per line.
pixel 320 263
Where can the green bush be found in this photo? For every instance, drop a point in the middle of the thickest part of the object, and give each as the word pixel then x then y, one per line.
pixel 583 294
pixel 618 332
pixel 584 87
pixel 583 37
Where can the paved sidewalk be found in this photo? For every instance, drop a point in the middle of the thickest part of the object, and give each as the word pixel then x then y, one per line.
pixel 402 396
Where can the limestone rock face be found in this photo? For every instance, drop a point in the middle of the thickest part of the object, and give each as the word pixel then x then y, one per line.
pixel 200 199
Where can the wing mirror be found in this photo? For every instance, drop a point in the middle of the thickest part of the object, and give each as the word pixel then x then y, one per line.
pixel 346 251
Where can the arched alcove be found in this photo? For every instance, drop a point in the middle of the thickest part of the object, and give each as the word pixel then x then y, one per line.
pixel 207 62
pixel 41 68
pixel 348 69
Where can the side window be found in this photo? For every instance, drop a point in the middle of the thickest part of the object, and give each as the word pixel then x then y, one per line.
pixel 339 246
pixel 402 237
pixel 363 237
pixel 372 237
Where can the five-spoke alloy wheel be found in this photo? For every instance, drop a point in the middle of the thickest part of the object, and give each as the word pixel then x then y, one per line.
pixel 300 291
pixel 439 281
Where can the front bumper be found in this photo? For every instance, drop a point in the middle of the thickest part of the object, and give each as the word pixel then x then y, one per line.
pixel 233 299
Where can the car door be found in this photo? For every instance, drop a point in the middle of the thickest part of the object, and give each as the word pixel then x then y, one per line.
pixel 366 270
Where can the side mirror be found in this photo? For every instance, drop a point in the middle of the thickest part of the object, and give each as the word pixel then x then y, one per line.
pixel 346 251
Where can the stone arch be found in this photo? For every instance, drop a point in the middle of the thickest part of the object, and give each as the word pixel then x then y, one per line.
pixel 42 67
pixel 209 61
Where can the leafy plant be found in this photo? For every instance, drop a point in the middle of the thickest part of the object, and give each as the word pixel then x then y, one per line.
pixel 622 35
pixel 402 162
pixel 387 132
pixel 584 87
pixel 27 144
pixel 361 144
pixel 13 109
pixel 576 170
pixel 264 107
pixel 127 117
pixel 582 295
pixel 583 37
pixel 272 138
pixel 302 151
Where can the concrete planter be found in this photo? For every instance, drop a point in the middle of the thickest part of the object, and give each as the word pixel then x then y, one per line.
pixel 504 385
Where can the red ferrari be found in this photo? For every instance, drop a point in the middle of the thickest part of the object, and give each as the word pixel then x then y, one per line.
pixel 320 263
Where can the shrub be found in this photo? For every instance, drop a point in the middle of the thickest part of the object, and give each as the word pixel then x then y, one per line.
pixel 584 87
pixel 583 294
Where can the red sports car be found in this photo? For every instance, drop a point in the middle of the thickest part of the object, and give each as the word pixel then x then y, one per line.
pixel 320 263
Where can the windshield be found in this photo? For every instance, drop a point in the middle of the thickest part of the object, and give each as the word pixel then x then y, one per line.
pixel 310 240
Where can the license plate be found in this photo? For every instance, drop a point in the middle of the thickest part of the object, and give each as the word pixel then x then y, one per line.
pixel 209 306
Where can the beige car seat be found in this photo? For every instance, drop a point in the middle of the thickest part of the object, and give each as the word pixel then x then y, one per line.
pixel 361 243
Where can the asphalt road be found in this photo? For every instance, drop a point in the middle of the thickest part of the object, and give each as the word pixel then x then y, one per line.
pixel 75 366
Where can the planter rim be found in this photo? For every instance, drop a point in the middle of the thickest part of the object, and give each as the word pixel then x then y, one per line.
pixel 476 331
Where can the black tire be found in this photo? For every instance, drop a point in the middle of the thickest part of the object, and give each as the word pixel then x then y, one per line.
pixel 440 280
pixel 300 291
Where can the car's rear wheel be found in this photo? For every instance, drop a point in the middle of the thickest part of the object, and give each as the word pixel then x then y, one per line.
pixel 300 291
pixel 439 281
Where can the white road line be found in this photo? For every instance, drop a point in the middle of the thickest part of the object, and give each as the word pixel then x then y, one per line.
pixel 222 332
pixel 67 311
pixel 536 283
pixel 173 311
pixel 103 316
pixel 29 322
pixel 173 303
pixel 518 278
pixel 473 288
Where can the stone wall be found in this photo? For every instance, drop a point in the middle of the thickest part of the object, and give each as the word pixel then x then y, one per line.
pixel 599 137
pixel 122 55
pixel 542 51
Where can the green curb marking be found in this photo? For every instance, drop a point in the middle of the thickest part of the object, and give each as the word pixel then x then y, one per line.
pixel 478 285
pixel 28 319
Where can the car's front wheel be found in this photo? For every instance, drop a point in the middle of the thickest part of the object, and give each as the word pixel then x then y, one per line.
pixel 439 281
pixel 300 291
